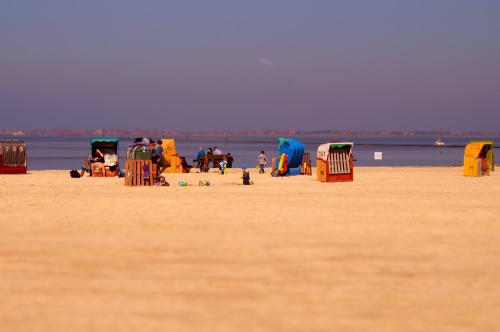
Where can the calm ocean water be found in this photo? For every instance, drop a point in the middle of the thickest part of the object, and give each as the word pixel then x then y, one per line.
pixel 69 152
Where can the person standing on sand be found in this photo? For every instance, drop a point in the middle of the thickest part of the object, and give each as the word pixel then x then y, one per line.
pixel 160 158
pixel 200 156
pixel 229 160
pixel 261 161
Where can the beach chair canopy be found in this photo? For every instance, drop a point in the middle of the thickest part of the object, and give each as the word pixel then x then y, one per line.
pixel 293 149
pixel 105 145
pixel 325 149
pixel 104 140
pixel 169 150
pixel 480 149
pixel 12 153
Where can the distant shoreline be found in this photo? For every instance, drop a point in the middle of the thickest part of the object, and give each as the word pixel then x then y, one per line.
pixel 256 139
pixel 125 133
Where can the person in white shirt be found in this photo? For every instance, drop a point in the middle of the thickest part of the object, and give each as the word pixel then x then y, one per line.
pixel 261 161
pixel 217 151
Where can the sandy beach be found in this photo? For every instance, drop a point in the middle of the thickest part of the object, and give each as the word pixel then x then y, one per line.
pixel 398 249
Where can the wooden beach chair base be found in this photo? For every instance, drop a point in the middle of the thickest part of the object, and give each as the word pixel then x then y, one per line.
pixel 135 175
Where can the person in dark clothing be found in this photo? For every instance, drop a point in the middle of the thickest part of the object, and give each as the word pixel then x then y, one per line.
pixel 185 165
pixel 246 177
pixel 99 158
pixel 229 160
pixel 200 157
pixel 160 158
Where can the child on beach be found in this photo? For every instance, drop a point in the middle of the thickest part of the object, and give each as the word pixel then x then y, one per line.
pixel 261 161
pixel 222 166
pixel 246 177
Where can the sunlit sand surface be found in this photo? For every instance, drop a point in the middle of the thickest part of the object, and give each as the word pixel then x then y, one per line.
pixel 398 249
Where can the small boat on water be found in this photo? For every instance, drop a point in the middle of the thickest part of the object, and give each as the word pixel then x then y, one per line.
pixel 439 142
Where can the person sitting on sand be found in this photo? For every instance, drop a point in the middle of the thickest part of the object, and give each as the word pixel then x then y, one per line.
pixel 246 177
pixel 95 164
pixel 85 167
pixel 185 166
pixel 87 163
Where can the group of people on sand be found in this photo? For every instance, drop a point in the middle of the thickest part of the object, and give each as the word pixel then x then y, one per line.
pixel 158 158
pixel 227 159
pixel 215 151
pixel 99 161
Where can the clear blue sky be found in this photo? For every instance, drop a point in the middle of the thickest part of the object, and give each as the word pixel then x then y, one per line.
pixel 429 64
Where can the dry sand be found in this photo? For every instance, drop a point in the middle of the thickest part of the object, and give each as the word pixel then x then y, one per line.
pixel 398 249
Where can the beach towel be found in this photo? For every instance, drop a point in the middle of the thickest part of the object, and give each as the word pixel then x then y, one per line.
pixel 110 159
pixel 282 166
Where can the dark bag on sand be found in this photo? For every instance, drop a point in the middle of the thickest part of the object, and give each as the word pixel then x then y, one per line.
pixel 74 174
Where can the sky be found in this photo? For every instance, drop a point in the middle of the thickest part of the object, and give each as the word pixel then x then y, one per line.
pixel 235 65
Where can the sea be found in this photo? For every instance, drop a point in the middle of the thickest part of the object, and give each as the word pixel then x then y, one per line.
pixel 48 153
